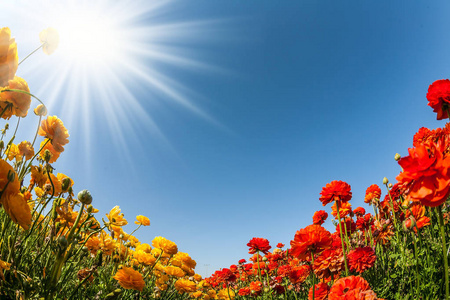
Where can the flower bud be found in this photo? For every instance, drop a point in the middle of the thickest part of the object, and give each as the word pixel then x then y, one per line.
pixel 264 258
pixel 63 242
pixel 409 224
pixel 47 155
pixel 385 180
pixel 85 197
pixel 40 110
pixel 390 185
pixel 2 145
pixel 90 208
pixel 65 184
pixel 397 156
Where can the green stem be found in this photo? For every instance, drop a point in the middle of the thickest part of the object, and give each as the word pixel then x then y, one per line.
pixel 32 53
pixel 313 275
pixel 444 250
pixel 342 239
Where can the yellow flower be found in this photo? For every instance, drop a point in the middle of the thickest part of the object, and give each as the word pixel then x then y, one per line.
pixel 50 39
pixel 9 59
pixel 223 294
pixel 13 152
pixel 20 101
pixel 26 149
pixel 57 185
pixel 144 247
pixel 116 218
pixel 130 279
pixel 141 220
pixel 3 266
pixel 186 259
pixel 53 129
pixel 165 245
pixel 39 192
pixel 54 155
pixel 11 187
pixel 197 294
pixel 38 176
pixel 197 277
pixel 185 286
pixel 18 209
pixel 144 258
pixel 174 271
pixel 40 110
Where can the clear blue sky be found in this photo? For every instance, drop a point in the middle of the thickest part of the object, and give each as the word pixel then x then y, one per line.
pixel 282 98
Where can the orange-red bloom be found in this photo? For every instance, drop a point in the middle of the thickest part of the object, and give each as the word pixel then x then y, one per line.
pixel 320 217
pixel 320 291
pixel 130 279
pixel 336 190
pixel 361 259
pixel 258 244
pixel 313 238
pixel 373 194
pixel 349 288
pixel 439 97
pixel 299 274
pixel 345 209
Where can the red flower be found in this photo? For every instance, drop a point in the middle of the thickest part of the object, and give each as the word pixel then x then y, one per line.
pixel 244 291
pixel 361 259
pixel 335 191
pixel 280 245
pixel 242 261
pixel 258 244
pixel 299 274
pixel 255 287
pixel 359 211
pixel 439 97
pixel 365 222
pixel 320 292
pixel 351 287
pixel 345 209
pixel 319 217
pixel 426 174
pixel 311 238
pixel 226 275
pixel 373 192
pixel 284 270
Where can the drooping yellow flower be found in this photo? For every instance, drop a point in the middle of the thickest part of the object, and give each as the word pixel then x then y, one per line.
pixel 130 279
pixel 9 59
pixel 53 129
pixel 142 220
pixel 116 218
pixel 165 245
pixel 18 209
pixel 25 148
pixel 20 101
pixel 185 286
pixel 50 39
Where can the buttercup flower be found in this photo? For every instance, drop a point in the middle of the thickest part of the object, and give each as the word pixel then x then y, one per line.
pixel 20 102
pixel 141 220
pixel 9 60
pixel 258 244
pixel 185 286
pixel 320 217
pixel 17 208
pixel 130 279
pixel 164 244
pixel 6 185
pixel 335 191
pixel 311 238
pixel 54 155
pixel 50 39
pixel 439 97
pixel 116 218
pixel 26 149
pixel 361 259
pixel 320 291
pixel 53 129
pixel 373 193
pixel 351 287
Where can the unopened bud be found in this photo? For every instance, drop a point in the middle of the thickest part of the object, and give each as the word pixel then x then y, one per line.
pixel 62 241
pixel 397 156
pixel 65 184
pixel 47 155
pixel 264 258
pixel 2 145
pixel 385 180
pixel 390 185
pixel 409 224
pixel 85 197
pixel 90 208
pixel 40 110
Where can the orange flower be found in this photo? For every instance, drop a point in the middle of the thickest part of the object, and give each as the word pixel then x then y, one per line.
pixel 258 244
pixel 13 152
pixel 130 279
pixel 313 238
pixel 329 262
pixel 351 287
pixel 165 245
pixel 144 258
pixel 17 208
pixel 38 176
pixel 320 217
pixel 141 220
pixel 115 217
pixel 185 286
pixel 6 173
pixel 361 259
pixel 299 274
pixel 54 155
pixel 174 271
pixel 320 291
pixel 373 194
pixel 9 59
pixel 20 101
pixel 255 287
pixel 40 110
pixel 26 149
pixel 335 191
pixel 345 209
pixel 53 129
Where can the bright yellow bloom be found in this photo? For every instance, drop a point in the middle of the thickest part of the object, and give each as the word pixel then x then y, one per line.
pixel 186 259
pixel 25 148
pixel 20 101
pixel 53 129
pixel 185 286
pixel 11 187
pixel 174 271
pixel 223 294
pixel 165 245
pixel 9 59
pixel 50 39
pixel 197 294
pixel 39 192
pixel 115 217
pixel 38 176
pixel 17 208
pixel 3 266
pixel 144 258
pixel 141 220
pixel 130 279
pixel 144 247
pixel 40 110
pixel 13 152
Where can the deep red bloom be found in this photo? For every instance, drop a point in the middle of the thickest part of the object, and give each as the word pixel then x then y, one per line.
pixel 349 288
pixel 312 238
pixel 365 222
pixel 439 97
pixel 255 287
pixel 336 190
pixel 373 193
pixel 226 275
pixel 299 274
pixel 359 211
pixel 280 245
pixel 258 244
pixel 284 270
pixel 350 225
pixel 242 261
pixel 320 292
pixel 361 259
pixel 244 291
pixel 319 217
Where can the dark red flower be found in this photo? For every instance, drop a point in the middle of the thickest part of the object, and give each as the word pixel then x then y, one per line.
pixel 258 245
pixel 320 217
pixel 226 275
pixel 335 191
pixel 299 274
pixel 359 211
pixel 242 261
pixel 439 97
pixel 365 222
pixel 244 291
pixel 280 245
pixel 361 259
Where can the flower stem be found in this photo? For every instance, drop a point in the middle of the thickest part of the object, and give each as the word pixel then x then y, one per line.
pixel 342 239
pixel 32 53
pixel 444 251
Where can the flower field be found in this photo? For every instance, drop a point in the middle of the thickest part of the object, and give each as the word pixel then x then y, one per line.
pixel 55 245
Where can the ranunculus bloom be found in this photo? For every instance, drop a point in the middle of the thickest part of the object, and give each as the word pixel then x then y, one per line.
pixel 439 97
pixel 53 129
pixel 373 193
pixel 244 291
pixel 345 209
pixel 280 245
pixel 299 274
pixel 185 286
pixel 20 102
pixel 164 244
pixel 365 222
pixel 319 217
pixel 50 39
pixel 115 217
pixel 255 287
pixel 329 262
pixel 359 211
pixel 312 238
pixel 9 59
pixel 26 149
pixel 258 244
pixel 336 190
pixel 426 173
pixel 12 187
pixel 349 288
pixel 226 294
pixel 54 155
pixel 130 279
pixel 320 292
pixel 144 257
pixel 17 208
pixel 361 259
pixel 142 220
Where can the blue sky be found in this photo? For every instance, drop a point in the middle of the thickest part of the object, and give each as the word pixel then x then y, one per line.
pixel 273 100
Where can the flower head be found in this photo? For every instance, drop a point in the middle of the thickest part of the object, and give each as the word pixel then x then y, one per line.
pixel 320 291
pixel 9 59
pixel 373 194
pixel 258 244
pixel 336 190
pixel 165 245
pixel 141 220
pixel 320 217
pixel 361 259
pixel 439 97
pixel 53 129
pixel 130 279
pixel 351 287
pixel 50 39
pixel 116 218
pixel 20 102
pixel 185 286
pixel 311 238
